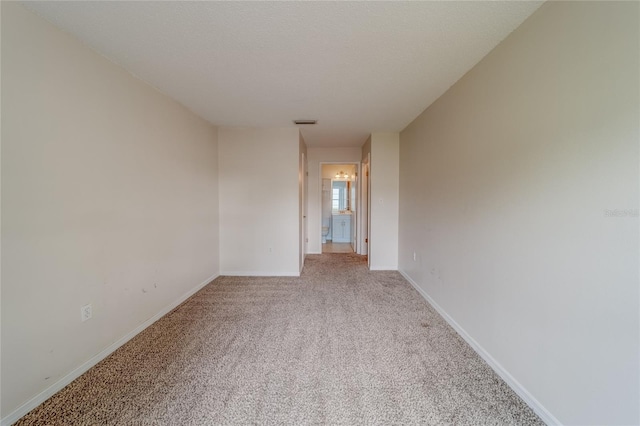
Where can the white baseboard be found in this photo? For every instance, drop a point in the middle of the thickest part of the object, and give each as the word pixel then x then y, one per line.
pixel 21 411
pixel 384 268
pixel 523 393
pixel 259 274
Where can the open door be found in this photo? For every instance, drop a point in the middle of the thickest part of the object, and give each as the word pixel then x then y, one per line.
pixel 340 207
pixel 303 210
pixel 365 203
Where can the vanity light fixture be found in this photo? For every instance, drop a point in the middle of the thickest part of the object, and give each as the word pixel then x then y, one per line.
pixel 305 121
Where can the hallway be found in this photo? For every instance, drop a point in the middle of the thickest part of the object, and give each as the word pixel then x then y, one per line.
pixel 337 248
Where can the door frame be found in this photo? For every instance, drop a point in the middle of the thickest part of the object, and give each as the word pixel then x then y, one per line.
pixel 303 212
pixel 356 217
pixel 365 211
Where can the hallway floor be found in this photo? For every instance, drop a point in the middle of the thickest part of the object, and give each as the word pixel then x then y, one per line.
pixel 330 247
pixel 339 345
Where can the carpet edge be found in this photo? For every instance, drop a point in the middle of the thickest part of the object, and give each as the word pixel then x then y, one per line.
pixel 520 390
pixel 41 397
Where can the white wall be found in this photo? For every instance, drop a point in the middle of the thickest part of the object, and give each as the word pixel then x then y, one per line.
pixel 109 197
pixel 259 201
pixel 384 175
pixel 1 412
pixel 329 171
pixel 302 198
pixel 506 186
pixel 314 213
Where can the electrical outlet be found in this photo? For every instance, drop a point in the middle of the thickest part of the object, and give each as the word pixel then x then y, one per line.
pixel 270 249
pixel 86 312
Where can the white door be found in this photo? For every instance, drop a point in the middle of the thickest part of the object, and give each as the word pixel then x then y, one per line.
pixel 354 207
pixel 364 205
pixel 303 201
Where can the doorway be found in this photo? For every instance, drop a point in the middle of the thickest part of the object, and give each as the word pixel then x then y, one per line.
pixel 339 207
pixel 365 202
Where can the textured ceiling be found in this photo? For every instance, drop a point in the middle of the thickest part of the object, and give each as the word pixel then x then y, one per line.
pixel 356 67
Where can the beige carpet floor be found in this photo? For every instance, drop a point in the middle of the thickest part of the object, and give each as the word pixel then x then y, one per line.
pixel 337 248
pixel 339 345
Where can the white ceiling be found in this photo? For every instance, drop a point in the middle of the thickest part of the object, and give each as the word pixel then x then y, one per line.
pixel 356 67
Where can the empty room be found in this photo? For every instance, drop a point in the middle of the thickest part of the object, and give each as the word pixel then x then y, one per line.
pixel 309 213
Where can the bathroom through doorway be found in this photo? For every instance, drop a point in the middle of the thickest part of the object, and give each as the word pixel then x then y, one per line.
pixel 339 205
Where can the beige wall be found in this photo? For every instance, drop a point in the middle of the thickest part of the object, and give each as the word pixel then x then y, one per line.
pixel 507 183
pixel 384 175
pixel 302 199
pixel 259 201
pixel 314 212
pixel 109 197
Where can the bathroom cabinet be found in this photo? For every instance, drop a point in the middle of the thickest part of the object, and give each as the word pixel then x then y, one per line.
pixel 341 228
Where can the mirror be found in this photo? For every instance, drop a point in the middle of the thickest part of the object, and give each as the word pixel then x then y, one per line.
pixel 340 199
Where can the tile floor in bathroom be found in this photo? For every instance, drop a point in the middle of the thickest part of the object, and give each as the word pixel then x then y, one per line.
pixel 337 248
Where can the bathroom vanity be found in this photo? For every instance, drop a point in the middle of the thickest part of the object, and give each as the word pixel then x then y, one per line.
pixel 341 227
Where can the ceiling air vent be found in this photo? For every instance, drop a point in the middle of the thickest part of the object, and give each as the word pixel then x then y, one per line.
pixel 305 121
